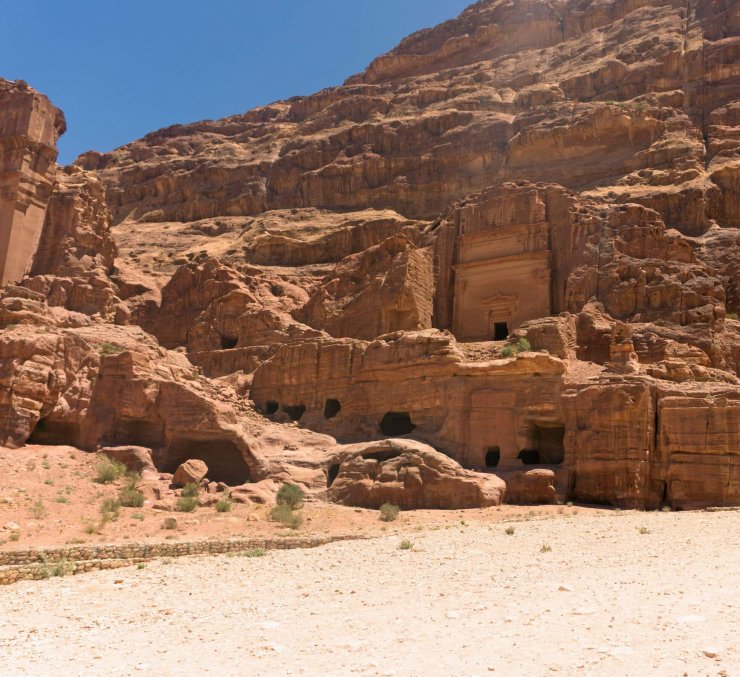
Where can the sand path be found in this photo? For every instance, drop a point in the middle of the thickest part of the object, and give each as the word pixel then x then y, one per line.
pixel 466 600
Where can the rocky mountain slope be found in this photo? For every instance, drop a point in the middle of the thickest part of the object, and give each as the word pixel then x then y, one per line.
pixel 513 241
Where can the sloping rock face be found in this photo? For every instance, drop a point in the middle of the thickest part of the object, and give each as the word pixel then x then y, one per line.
pixel 534 90
pixel 513 240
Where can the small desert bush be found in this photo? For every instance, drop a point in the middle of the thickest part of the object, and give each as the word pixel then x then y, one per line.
pixel 389 512
pixel 109 509
pixel 109 470
pixel 732 316
pixel 108 348
pixel 190 490
pixel 170 523
pixel 223 505
pixel 256 552
pixel 545 548
pixel 15 535
pixel 186 503
pixel 509 531
pixel 521 346
pixel 130 497
pixel 55 569
pixel 405 544
pixel 290 495
pixel 38 510
pixel 284 515
pixel 644 530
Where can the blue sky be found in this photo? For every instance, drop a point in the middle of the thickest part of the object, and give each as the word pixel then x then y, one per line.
pixel 122 68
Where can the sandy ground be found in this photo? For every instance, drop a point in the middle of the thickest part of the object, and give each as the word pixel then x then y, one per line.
pixel 48 497
pixel 618 593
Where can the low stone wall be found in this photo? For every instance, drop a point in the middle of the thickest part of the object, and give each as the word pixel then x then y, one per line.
pixel 40 563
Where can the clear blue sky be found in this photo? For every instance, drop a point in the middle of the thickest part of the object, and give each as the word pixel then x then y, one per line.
pixel 122 68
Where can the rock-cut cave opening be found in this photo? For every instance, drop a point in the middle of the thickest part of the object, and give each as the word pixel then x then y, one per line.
pixel 397 423
pixel 223 458
pixel 331 408
pixel 544 446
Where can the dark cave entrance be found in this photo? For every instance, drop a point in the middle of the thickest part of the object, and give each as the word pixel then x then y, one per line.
pixel 500 331
pixel 54 432
pixel 396 423
pixel 295 411
pixel 223 458
pixel 272 407
pixel 331 408
pixel 332 475
pixel 229 342
pixel 544 445
pixel 493 457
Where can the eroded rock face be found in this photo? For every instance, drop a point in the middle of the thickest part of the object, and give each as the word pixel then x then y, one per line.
pixel 473 102
pixel 513 242
pixel 29 128
pixel 412 476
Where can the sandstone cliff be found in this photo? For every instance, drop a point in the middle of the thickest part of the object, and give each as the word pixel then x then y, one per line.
pixel 514 239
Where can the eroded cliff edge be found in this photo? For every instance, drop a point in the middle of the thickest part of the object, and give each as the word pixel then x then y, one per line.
pixel 513 241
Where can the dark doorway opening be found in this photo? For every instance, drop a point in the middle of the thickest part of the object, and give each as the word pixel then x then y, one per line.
pixel 271 407
pixel 295 411
pixel 54 432
pixel 331 408
pixel 493 457
pixel 332 475
pixel 500 331
pixel 544 445
pixel 228 342
pixel 396 423
pixel 530 456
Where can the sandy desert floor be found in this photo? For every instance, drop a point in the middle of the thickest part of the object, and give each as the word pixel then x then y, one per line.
pixel 591 593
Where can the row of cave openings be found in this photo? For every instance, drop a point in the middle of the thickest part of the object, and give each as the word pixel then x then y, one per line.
pixel 544 443
pixel 393 423
pixel 222 456
pixel 545 446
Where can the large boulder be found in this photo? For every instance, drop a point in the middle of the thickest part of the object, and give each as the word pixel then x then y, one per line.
pixel 136 459
pixel 413 476
pixel 193 471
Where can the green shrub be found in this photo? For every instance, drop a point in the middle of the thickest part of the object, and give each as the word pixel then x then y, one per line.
pixel 290 495
pixel 512 349
pixel 186 503
pixel 109 470
pixel 223 505
pixel 130 497
pixel 15 535
pixel 170 523
pixel 54 569
pixel 190 490
pixel 285 515
pixel 509 531
pixel 389 512
pixel 108 348
pixel 39 509
pixel 256 552
pixel 109 509
pixel 405 544
pixel 545 548
pixel 732 316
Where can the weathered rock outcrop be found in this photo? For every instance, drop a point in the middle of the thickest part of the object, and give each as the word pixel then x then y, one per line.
pixel 29 128
pixel 513 242
pixel 412 477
